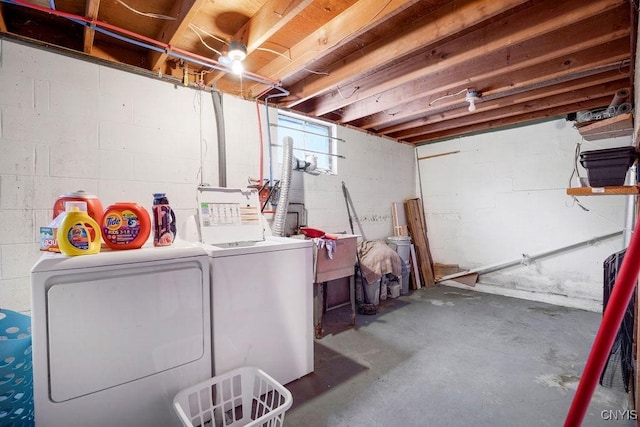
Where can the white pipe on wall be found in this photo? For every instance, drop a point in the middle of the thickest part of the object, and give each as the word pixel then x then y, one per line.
pixel 630 208
pixel 222 142
pixel 526 259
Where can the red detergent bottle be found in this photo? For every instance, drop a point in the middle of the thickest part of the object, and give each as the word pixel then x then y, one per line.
pixel 94 207
pixel 125 225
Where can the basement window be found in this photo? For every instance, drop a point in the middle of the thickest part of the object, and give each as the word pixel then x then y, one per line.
pixel 311 138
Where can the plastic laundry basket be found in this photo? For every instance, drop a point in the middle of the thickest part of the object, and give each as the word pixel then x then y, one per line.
pixel 16 370
pixel 243 397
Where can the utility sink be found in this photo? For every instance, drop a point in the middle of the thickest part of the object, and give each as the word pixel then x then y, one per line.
pixel 343 262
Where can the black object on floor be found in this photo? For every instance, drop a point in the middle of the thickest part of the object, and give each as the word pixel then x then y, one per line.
pixel 618 371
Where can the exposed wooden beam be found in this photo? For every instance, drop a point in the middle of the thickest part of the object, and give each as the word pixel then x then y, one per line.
pixel 449 109
pixel 3 25
pixel 91 12
pixel 120 55
pixel 509 42
pixel 357 19
pixel 172 31
pixel 445 22
pixel 517 118
pixel 506 107
pixel 558 69
pixel 271 17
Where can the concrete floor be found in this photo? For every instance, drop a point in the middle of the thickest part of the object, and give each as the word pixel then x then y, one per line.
pixel 446 356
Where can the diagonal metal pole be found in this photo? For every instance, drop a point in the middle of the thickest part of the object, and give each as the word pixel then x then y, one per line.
pixel 346 200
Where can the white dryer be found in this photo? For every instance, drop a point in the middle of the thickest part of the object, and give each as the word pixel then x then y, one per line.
pixel 116 335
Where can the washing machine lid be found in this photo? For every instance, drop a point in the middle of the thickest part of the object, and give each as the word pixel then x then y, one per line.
pixel 270 244
pixel 229 216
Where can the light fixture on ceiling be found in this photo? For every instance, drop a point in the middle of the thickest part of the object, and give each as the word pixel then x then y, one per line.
pixel 472 97
pixel 234 57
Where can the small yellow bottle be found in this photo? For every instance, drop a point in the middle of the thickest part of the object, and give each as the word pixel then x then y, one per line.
pixel 79 234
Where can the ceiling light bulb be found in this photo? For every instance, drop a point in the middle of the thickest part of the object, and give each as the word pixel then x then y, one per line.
pixel 237 67
pixel 472 97
pixel 237 51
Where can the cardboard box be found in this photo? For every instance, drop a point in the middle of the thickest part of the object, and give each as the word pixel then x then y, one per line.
pixel 48 240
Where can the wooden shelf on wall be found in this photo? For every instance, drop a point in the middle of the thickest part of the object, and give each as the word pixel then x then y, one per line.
pixel 604 191
pixel 621 125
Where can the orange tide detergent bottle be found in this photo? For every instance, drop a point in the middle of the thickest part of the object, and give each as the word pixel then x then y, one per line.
pixel 78 234
pixel 125 225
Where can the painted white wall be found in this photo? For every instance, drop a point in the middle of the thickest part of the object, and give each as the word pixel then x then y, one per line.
pixel 504 195
pixel 66 124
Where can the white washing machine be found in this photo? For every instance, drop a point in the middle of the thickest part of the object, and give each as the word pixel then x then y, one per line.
pixel 261 288
pixel 117 334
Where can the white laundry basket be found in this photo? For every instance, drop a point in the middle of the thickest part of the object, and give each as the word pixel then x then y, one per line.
pixel 246 396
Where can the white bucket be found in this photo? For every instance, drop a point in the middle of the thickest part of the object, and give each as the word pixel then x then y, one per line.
pixel 402 245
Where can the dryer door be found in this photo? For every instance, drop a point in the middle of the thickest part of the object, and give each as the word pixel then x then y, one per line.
pixel 110 327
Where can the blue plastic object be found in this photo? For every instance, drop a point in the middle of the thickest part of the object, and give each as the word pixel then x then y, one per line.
pixel 16 370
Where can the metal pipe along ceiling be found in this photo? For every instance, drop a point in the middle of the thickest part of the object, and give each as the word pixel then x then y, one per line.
pixel 158 46
pixel 147 42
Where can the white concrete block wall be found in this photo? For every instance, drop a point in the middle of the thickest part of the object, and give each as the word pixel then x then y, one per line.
pixel 504 195
pixel 67 124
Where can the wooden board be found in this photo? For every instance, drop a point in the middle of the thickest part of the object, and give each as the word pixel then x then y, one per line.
pixel 426 238
pixel 468 279
pixel 416 271
pixel 417 229
pixel 621 125
pixel 441 270
pixel 399 220
pixel 602 191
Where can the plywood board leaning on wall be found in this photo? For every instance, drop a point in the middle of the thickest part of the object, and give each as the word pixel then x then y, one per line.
pixel 418 233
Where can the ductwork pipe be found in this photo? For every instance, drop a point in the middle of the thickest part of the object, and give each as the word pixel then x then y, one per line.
pixel 285 182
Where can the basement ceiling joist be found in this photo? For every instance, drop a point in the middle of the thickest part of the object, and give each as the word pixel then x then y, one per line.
pixel 396 68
